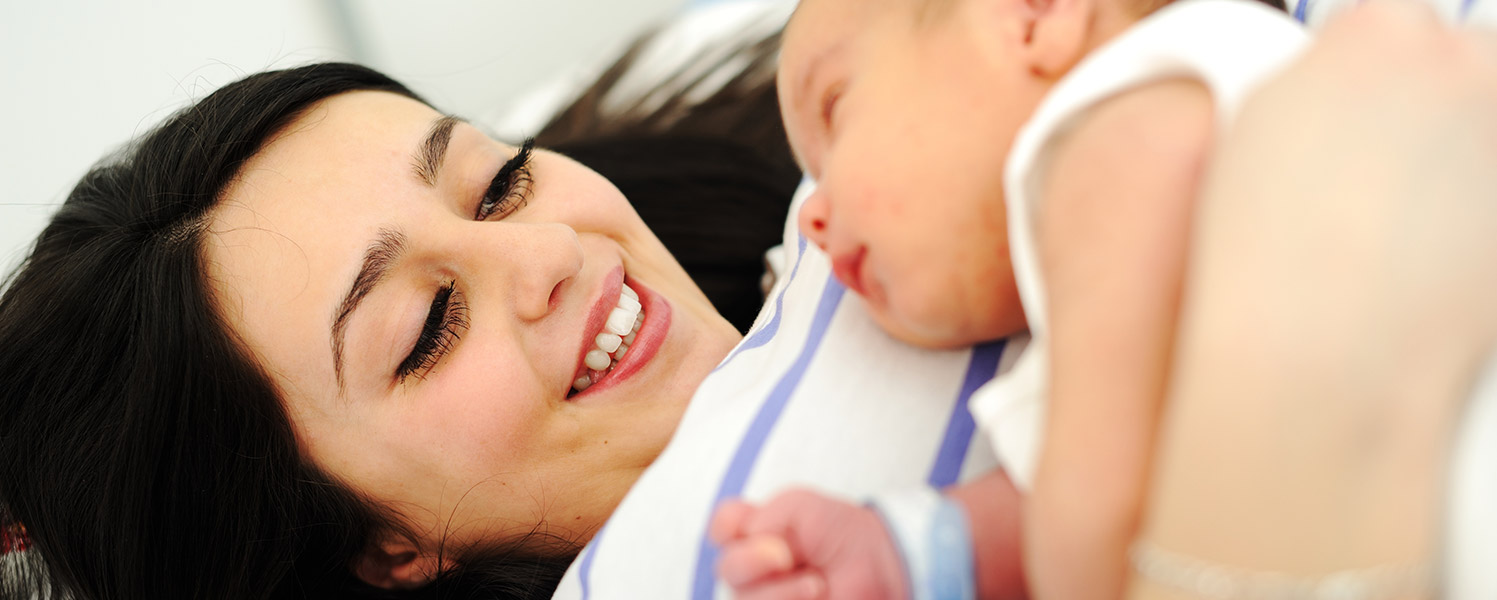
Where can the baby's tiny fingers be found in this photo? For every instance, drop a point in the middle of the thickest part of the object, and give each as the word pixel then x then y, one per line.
pixel 728 521
pixel 746 562
pixel 801 585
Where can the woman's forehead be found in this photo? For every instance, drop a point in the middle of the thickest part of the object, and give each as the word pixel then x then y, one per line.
pixel 349 122
pixel 292 226
pixel 347 159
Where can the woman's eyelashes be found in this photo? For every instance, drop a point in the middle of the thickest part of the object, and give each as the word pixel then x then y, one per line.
pixel 445 323
pixel 510 188
pixel 447 318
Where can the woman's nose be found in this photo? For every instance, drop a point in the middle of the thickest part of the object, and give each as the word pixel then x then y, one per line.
pixel 815 216
pixel 541 260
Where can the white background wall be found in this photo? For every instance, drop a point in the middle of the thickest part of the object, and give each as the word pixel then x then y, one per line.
pixel 82 77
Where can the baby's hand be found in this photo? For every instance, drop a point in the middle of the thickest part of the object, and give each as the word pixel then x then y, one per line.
pixel 805 545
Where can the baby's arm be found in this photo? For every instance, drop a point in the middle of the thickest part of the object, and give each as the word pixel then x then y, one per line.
pixel 1113 235
pixel 801 544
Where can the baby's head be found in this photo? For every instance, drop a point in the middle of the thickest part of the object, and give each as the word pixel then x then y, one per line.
pixel 904 111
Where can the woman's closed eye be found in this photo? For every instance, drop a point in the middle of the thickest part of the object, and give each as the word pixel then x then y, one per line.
pixel 447 318
pixel 445 323
pixel 510 188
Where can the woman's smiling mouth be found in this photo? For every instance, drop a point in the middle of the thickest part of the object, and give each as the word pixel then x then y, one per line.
pixel 611 344
pixel 622 334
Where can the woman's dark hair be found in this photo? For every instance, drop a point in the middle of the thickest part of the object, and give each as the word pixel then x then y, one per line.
pixel 147 453
pixel 144 449
pixel 713 178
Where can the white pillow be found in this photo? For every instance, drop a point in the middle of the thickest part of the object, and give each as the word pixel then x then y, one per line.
pixel 815 395
pixel 692 56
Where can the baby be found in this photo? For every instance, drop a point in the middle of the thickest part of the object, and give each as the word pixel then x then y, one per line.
pixel 983 167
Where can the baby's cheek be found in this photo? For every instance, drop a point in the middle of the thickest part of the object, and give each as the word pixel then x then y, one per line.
pixel 797 131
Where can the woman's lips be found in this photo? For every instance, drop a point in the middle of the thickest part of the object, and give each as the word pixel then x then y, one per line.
pixel 647 341
pixel 608 297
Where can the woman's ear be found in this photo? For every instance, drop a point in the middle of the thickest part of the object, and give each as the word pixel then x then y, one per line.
pixel 1057 35
pixel 395 564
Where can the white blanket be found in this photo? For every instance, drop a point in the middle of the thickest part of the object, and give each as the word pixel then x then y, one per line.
pixel 816 395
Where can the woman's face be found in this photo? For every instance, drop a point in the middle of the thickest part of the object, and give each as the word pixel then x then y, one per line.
pixel 428 356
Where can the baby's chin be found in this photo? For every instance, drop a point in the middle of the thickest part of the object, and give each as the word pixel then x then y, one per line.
pixel 945 321
pixel 936 331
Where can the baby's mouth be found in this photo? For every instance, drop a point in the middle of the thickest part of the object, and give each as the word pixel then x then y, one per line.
pixel 610 345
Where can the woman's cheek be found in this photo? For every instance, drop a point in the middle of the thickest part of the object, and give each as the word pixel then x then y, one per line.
pixel 487 392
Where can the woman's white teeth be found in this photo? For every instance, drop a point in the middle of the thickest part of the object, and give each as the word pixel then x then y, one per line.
pixel 597 360
pixel 609 342
pixel 629 339
pixel 630 303
pixel 620 321
pixel 623 317
pixel 618 333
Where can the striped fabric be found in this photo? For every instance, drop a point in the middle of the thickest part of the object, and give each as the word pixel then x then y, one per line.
pixel 1315 12
pixel 816 395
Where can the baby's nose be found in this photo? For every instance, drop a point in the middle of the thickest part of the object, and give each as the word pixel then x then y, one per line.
pixel 815 215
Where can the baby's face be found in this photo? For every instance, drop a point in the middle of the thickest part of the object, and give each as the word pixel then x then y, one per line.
pixel 906 128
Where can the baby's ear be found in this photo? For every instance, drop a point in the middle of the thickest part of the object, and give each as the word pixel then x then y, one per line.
pixel 1057 34
pixel 396 564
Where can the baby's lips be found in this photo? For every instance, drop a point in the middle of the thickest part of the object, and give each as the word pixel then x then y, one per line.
pixel 848 267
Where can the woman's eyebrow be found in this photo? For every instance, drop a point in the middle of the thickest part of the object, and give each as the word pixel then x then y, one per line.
pixel 429 156
pixel 381 255
pixel 390 243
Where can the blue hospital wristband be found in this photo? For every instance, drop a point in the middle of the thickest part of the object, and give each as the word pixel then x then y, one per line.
pixel 934 541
